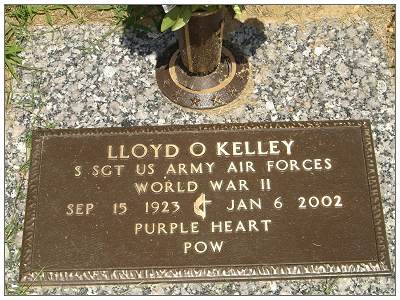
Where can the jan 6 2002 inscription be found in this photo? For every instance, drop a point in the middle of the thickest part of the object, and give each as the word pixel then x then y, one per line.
pixel 203 202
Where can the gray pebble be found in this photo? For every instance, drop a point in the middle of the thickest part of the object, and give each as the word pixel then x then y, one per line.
pixel 298 57
pixel 331 34
pixel 80 75
pixel 381 86
pixel 359 73
pixel 105 88
pixel 77 107
pixel 114 107
pixel 345 103
pixel 343 70
pixel 285 291
pixel 141 114
pixel 17 130
pixel 351 32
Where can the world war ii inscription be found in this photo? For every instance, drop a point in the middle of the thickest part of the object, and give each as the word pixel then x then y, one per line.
pixel 204 202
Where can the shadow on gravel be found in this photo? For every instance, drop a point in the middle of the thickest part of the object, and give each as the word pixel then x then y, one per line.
pixel 247 37
pixel 141 30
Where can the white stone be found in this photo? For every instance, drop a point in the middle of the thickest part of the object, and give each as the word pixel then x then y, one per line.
pixel 59 117
pixel 274 286
pixel 109 71
pixel 381 86
pixel 153 59
pixel 17 130
pixel 343 284
pixel 292 46
pixel 318 50
pixel 269 106
pixel 18 239
pixel 21 148
pixel 72 120
pixel 307 52
pixel 98 99
pixel 80 75
pixel 132 91
pixel 285 291
pixel 103 108
pixel 343 70
pixel 6 253
pixel 141 115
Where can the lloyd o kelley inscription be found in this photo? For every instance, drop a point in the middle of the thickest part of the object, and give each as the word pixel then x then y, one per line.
pixel 203 202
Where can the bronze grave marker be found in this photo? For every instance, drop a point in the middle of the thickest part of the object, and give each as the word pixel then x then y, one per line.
pixel 203 202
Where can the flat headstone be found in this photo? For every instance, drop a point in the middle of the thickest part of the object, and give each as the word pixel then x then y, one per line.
pixel 203 202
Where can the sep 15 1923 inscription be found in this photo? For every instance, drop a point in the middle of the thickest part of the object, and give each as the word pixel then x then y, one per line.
pixel 203 202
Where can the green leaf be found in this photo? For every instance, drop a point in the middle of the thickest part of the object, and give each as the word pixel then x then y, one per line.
pixel 103 7
pixel 25 166
pixel 178 24
pixel 167 22
pixel 11 69
pixel 237 9
pixel 185 14
pixel 53 7
pixel 12 49
pixel 16 59
pixel 49 18
pixel 170 18
pixel 32 10
pixel 71 10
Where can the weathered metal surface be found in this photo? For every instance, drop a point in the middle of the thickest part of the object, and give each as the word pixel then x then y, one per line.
pixel 224 85
pixel 200 41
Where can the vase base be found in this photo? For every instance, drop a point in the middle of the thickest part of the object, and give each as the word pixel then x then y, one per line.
pixel 202 92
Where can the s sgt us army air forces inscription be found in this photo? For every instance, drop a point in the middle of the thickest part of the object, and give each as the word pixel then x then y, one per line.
pixel 203 202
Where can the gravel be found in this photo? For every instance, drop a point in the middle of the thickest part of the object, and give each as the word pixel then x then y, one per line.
pixel 324 71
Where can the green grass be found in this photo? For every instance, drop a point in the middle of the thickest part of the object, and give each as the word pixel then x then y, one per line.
pixel 12 50
pixel 18 18
pixel 329 286
pixel 11 229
